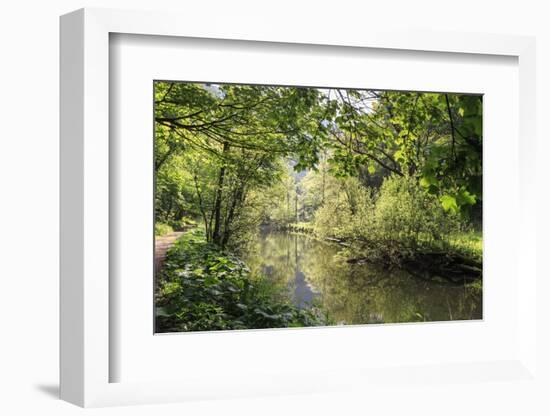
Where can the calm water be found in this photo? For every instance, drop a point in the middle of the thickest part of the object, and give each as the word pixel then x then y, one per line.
pixel 317 272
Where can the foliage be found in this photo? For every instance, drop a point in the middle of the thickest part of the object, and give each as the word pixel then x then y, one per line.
pixel 301 227
pixel 203 288
pixel 230 138
pixel 392 175
pixel 405 214
pixel 347 212
pixel 162 229
pixel 434 137
pixel 468 242
pixel 223 152
pixel 173 196
pixel 183 223
pixel 395 223
pixel 280 200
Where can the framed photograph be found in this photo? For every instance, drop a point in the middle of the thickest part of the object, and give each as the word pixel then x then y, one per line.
pixel 287 207
pixel 275 213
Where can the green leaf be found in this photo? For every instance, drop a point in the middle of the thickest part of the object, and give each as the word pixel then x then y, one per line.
pixel 465 198
pixel 399 157
pixel 371 169
pixel 449 203
pixel 210 280
pixel 428 180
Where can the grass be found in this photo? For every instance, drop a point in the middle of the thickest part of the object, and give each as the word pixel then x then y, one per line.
pixel 469 243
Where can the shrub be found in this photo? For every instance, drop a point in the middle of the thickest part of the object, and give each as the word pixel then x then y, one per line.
pixel 396 222
pixel 162 229
pixel 204 288
pixel 348 214
pixel 405 213
pixel 183 223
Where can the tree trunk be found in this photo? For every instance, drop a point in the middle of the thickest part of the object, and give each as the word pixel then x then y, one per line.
pixel 237 200
pixel 216 237
pixel 202 209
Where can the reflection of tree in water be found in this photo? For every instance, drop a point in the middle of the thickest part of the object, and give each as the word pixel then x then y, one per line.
pixel 356 294
pixel 274 256
pixel 278 256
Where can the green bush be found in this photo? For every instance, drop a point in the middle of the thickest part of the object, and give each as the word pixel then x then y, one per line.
pixel 162 229
pixel 395 223
pixel 404 213
pixel 348 215
pixel 202 288
pixel 183 223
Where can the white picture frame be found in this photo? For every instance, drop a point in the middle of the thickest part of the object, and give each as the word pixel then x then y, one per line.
pixel 86 355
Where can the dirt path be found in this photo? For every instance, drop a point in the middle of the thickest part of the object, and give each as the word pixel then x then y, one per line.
pixel 162 244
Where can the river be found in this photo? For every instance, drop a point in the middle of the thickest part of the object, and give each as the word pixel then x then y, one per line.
pixel 316 272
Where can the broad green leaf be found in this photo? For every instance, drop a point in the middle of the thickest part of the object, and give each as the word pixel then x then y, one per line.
pixel 465 198
pixel 428 180
pixel 448 203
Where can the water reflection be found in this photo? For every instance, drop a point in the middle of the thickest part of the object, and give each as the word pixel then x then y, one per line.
pixel 315 271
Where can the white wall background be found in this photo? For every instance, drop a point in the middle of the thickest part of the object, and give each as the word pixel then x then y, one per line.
pixel 29 198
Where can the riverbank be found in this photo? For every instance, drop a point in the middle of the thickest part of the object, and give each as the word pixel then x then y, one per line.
pixel 203 288
pixel 313 268
pixel 455 259
pixel 305 228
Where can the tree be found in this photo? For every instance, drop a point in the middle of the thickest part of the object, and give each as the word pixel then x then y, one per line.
pixel 238 141
pixel 436 138
pixel 241 131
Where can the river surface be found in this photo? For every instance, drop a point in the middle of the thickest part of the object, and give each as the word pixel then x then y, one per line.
pixel 316 273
